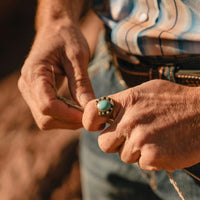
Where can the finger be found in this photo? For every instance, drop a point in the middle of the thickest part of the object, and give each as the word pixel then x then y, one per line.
pixel 112 139
pixel 91 119
pixel 150 159
pixel 45 122
pixel 48 122
pixel 46 99
pixel 109 142
pixel 41 98
pixel 79 82
pixel 128 152
pixel 148 165
pixel 58 109
pixel 140 142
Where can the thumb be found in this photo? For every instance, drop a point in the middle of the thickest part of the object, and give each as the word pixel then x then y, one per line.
pixel 82 90
pixel 77 55
pixel 79 84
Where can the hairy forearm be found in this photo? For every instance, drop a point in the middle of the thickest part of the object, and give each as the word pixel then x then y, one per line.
pixel 60 11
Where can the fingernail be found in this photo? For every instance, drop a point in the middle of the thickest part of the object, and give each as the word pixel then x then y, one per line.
pixel 85 98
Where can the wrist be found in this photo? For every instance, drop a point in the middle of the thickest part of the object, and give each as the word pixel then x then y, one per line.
pixel 58 12
pixel 59 28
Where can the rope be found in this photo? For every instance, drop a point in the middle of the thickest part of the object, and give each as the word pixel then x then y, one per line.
pixel 173 182
pixel 191 174
pixel 68 102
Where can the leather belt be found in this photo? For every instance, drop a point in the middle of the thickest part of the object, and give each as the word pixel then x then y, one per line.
pixel 134 74
pixel 134 70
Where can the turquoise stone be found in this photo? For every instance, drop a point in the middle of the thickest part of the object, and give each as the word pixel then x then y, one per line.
pixel 103 105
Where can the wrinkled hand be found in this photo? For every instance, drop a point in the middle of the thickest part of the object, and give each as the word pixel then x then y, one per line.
pixel 65 48
pixel 157 124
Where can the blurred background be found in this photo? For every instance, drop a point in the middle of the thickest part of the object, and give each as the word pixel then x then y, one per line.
pixel 34 164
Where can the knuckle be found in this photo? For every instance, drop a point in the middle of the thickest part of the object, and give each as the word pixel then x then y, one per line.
pixel 20 84
pixel 23 79
pixel 104 147
pixel 25 73
pixel 81 81
pixel 23 70
pixel 150 167
pixel 126 159
pixel 151 161
pixel 130 157
pixel 46 108
pixel 23 89
pixel 78 55
pixel 45 123
pixel 75 54
pixel 30 74
pixel 132 96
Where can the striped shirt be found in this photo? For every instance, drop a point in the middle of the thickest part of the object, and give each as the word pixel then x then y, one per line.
pixel 153 27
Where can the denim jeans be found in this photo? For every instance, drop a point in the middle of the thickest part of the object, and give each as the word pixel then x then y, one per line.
pixel 105 176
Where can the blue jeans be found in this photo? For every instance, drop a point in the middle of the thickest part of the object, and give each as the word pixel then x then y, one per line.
pixel 105 176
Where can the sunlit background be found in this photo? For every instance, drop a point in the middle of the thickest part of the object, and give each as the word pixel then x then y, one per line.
pixel 34 164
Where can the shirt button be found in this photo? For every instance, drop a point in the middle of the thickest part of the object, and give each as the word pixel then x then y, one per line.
pixel 143 17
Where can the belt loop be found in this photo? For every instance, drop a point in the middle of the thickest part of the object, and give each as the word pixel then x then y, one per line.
pixel 172 74
pixel 154 73
pixel 169 72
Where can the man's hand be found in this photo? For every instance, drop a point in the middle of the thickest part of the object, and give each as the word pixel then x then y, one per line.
pixel 157 124
pixel 63 46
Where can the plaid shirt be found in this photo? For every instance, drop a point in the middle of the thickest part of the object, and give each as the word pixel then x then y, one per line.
pixel 153 27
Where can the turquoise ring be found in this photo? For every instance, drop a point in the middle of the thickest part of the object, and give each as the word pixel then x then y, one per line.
pixel 105 106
